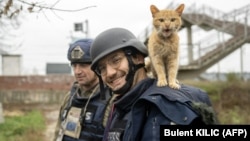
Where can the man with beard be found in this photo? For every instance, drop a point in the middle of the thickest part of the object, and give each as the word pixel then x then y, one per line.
pixel 138 107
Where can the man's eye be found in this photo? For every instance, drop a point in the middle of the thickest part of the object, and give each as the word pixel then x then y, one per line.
pixel 84 65
pixel 116 60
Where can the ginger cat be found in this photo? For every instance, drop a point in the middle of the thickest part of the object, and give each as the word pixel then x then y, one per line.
pixel 163 45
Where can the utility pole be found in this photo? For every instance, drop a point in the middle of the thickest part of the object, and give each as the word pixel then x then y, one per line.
pixel 241 63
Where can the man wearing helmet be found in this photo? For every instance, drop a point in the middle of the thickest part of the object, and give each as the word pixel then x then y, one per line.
pixel 81 113
pixel 138 106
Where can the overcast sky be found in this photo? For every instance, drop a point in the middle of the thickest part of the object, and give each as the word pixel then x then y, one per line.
pixel 45 36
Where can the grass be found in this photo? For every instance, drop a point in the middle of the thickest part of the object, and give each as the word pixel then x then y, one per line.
pixel 230 99
pixel 23 128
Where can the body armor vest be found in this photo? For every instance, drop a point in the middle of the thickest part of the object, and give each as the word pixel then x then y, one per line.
pixel 90 119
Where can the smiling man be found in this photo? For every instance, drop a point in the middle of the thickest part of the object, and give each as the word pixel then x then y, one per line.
pixel 138 107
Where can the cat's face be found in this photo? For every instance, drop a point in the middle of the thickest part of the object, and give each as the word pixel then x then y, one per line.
pixel 167 22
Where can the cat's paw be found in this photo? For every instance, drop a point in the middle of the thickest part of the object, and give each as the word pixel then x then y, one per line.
pixel 174 85
pixel 162 83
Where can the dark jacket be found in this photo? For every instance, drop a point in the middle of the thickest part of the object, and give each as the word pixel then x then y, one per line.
pixel 91 122
pixel 140 112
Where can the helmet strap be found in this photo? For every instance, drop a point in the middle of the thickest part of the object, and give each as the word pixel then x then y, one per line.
pixel 130 76
pixel 102 89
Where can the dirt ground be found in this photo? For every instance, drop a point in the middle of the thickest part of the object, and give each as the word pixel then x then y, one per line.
pixel 51 115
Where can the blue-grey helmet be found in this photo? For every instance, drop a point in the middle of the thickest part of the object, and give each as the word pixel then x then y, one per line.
pixel 114 39
pixel 79 51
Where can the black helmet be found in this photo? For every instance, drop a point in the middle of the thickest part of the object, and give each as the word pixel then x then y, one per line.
pixel 111 40
pixel 79 51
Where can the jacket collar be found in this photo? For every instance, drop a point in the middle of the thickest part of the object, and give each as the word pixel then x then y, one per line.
pixel 127 100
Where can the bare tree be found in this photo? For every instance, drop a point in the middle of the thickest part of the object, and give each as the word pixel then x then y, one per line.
pixel 9 22
pixel 13 11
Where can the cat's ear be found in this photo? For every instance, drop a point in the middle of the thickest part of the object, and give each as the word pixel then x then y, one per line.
pixel 154 10
pixel 179 9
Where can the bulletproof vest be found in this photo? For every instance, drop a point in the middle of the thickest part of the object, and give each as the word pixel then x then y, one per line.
pixel 118 126
pixel 122 112
pixel 90 122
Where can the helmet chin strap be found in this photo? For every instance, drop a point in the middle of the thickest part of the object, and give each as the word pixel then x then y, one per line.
pixel 130 76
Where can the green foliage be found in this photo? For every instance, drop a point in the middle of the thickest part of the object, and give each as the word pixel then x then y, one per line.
pixel 236 116
pixel 232 77
pixel 20 126
pixel 214 89
pixel 230 99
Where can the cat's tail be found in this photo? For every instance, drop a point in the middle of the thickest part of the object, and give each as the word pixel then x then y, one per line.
pixel 148 67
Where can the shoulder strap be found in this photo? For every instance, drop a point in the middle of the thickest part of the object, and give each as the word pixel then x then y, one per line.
pixel 73 91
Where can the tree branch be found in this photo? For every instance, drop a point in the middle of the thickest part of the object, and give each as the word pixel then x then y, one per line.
pixel 52 8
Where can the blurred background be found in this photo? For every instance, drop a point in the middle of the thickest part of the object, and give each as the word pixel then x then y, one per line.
pixel 35 36
pixel 39 32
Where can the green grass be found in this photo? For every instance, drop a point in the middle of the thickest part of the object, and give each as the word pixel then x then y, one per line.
pixel 230 99
pixel 23 128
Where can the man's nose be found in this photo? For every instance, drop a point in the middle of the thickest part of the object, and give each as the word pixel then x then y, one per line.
pixel 78 69
pixel 110 70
